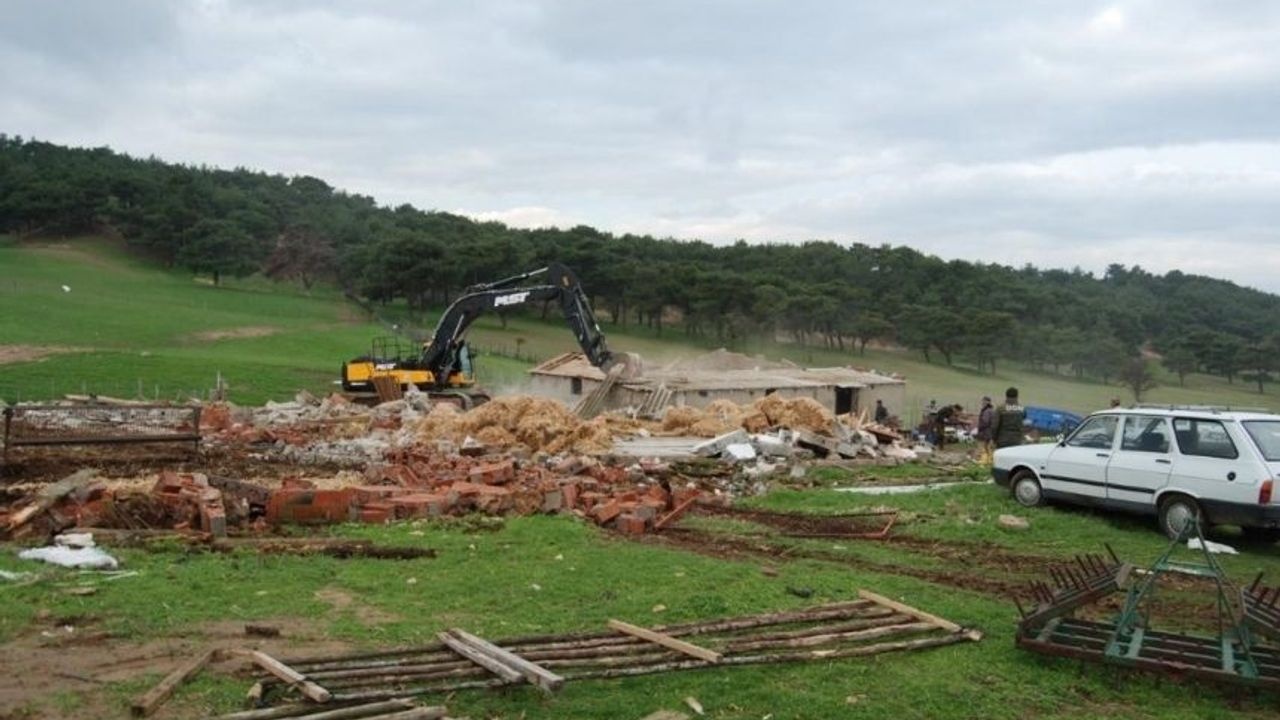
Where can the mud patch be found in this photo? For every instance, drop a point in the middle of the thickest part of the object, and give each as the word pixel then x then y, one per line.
pixel 52 674
pixel 31 353
pixel 240 333
pixel 342 601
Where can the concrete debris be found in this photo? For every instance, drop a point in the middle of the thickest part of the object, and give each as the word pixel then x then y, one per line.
pixel 410 458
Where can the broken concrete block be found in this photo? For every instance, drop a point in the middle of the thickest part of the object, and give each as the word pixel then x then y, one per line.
pixel 824 446
pixel 772 445
pixel 717 445
pixel 740 452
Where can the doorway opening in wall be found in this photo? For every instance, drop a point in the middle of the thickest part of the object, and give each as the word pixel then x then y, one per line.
pixel 844 400
pixel 575 386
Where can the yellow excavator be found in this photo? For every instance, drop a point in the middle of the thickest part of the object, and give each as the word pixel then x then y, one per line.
pixel 444 367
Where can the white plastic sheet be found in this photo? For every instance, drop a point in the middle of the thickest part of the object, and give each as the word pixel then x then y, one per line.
pixel 92 558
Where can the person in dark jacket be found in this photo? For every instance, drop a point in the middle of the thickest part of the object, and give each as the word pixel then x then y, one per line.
pixel 882 413
pixel 1006 429
pixel 986 416
pixel 941 419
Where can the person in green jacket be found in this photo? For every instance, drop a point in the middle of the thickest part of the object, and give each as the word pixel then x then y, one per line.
pixel 1006 429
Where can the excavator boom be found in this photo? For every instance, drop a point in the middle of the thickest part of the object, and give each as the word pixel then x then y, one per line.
pixel 444 361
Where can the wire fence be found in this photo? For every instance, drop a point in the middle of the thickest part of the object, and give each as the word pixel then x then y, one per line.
pixel 136 389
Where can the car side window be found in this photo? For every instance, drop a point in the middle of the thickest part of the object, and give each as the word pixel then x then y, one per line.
pixel 1204 438
pixel 1096 432
pixel 1143 433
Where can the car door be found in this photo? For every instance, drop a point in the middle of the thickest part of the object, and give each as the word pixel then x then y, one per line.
pixel 1077 468
pixel 1215 466
pixel 1141 465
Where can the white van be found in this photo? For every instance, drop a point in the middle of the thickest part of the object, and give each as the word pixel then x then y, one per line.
pixel 1176 463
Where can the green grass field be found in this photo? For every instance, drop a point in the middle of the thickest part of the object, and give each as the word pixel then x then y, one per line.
pixel 138 329
pixel 136 325
pixel 546 574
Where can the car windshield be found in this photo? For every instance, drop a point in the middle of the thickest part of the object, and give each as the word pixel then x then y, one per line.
pixel 1266 434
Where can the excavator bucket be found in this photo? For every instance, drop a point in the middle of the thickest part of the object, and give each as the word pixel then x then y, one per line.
pixel 632 366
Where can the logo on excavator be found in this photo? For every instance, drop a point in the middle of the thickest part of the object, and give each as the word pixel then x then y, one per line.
pixel 512 299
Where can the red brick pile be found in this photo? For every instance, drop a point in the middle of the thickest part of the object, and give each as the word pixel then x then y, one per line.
pixel 412 485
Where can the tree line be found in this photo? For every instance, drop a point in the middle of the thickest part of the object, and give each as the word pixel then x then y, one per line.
pixel 842 296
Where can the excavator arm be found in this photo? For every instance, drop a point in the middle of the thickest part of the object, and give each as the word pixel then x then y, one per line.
pixel 440 356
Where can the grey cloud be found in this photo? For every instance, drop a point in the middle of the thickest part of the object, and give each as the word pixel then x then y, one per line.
pixel 1067 132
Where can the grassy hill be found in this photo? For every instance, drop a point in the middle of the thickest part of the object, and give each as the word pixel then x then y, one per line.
pixel 126 328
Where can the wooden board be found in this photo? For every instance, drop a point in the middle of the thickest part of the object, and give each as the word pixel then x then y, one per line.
pixel 667 641
pixel 908 610
pixel 147 703
pixel 309 689
pixel 502 670
pixel 534 673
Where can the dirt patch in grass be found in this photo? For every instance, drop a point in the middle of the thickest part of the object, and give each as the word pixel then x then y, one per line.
pixel 240 333
pixel 343 601
pixel 31 353
pixel 980 567
pixel 61 667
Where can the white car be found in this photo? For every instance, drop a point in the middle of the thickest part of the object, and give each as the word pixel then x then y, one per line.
pixel 1174 463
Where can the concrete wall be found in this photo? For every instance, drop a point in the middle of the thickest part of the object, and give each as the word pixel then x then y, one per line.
pixel 561 388
pixel 694 398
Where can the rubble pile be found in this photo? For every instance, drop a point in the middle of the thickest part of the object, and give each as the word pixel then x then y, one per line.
pixel 515 455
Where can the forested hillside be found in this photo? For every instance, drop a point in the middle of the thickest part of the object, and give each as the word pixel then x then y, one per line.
pixel 239 222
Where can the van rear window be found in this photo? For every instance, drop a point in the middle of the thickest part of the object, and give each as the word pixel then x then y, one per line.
pixel 1266 435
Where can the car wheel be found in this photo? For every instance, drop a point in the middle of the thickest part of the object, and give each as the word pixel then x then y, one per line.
pixel 1026 489
pixel 1175 512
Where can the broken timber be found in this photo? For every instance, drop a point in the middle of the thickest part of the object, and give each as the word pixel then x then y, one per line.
pixel 593 403
pixel 687 648
pixel 309 689
pixel 868 625
pixel 540 676
pixel 145 704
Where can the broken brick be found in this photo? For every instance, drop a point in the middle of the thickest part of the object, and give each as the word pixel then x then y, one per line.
pixel 607 511
pixel 495 473
pixel 631 524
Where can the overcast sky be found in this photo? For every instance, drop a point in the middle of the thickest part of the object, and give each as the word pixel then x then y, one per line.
pixel 1058 133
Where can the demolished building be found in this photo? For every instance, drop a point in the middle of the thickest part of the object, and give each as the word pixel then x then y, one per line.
pixel 720 375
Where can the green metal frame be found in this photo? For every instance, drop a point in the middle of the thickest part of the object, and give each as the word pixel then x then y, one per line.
pixel 1235 640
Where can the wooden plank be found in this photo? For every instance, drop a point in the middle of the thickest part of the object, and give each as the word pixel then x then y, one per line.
pixel 147 703
pixel 666 641
pixel 503 671
pixel 534 673
pixel 309 689
pixel 308 711
pixel 50 495
pixel 434 712
pixel 908 610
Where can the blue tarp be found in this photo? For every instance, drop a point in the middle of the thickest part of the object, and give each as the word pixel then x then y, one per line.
pixel 1051 420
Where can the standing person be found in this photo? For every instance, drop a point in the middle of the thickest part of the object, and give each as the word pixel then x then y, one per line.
pixel 1006 430
pixel 986 419
pixel 882 413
